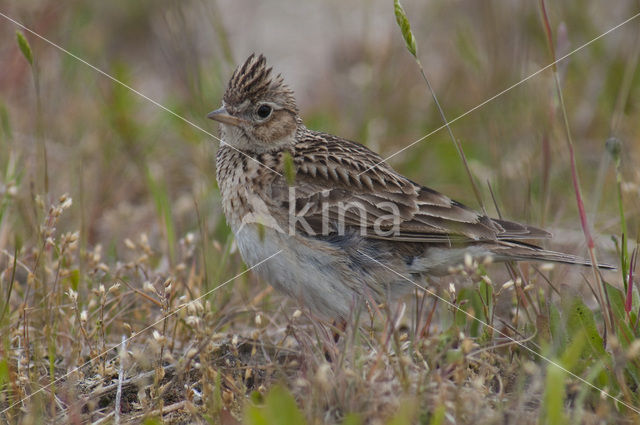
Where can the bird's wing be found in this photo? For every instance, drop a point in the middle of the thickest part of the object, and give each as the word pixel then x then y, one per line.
pixel 335 185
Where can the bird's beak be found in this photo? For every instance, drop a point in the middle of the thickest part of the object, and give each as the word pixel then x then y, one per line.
pixel 221 115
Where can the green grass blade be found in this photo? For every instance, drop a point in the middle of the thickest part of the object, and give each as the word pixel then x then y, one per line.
pixel 24 46
pixel 405 28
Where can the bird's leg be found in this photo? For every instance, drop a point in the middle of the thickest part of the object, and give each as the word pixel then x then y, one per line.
pixel 339 326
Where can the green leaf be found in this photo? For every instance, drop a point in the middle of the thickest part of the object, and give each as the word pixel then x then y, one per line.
pixel 352 419
pixel 4 121
pixel 405 28
pixel 623 330
pixel 454 356
pixel 571 356
pixel 554 396
pixel 289 169
pixel 256 397
pixel 4 372
pixel 405 415
pixel 581 319
pixel 24 46
pixel 476 308
pixel 74 279
pixel 486 336
pixel 616 297
pixel 438 415
pixel 254 415
pixel 280 408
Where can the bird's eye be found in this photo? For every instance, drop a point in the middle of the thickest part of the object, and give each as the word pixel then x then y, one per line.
pixel 264 111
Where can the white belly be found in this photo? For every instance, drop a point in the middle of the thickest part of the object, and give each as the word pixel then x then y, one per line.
pixel 316 278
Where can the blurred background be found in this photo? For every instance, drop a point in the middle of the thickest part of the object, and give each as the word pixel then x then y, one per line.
pixel 132 167
pixel 147 209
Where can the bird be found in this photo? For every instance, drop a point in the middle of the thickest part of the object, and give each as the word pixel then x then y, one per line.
pixel 327 221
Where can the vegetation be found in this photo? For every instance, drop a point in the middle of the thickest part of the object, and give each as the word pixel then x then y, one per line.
pixel 111 228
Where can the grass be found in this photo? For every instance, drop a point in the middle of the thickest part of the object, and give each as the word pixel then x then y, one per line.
pixel 110 220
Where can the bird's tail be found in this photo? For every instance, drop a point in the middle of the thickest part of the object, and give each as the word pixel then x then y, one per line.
pixel 519 251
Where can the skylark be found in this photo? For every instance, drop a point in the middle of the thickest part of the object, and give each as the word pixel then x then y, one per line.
pixel 344 224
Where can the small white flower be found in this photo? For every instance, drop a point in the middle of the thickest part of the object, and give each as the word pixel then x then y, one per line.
pixel 508 284
pixel 65 201
pixel 198 306
pixel 129 243
pixel 66 204
pixel 72 294
pixel 157 336
pixel 192 320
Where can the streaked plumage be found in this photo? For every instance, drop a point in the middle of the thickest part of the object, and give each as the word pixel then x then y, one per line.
pixel 324 263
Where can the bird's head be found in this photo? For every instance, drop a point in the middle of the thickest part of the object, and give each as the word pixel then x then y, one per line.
pixel 259 112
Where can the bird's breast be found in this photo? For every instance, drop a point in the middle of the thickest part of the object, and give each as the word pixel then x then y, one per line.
pixel 245 180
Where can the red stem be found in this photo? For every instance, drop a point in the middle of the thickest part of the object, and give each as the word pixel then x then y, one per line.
pixel 576 188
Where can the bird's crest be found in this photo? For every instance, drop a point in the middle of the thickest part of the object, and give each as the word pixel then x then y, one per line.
pixel 253 81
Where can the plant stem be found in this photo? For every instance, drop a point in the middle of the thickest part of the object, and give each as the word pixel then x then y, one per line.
pixel 575 178
pixel 455 141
